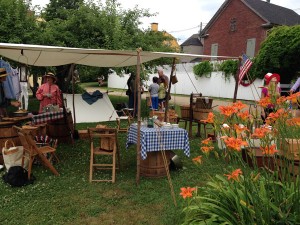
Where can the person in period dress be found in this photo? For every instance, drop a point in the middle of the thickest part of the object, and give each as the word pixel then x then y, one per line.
pixel 49 92
pixel 271 90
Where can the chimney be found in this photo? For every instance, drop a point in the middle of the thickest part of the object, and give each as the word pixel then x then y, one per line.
pixel 268 1
pixel 154 26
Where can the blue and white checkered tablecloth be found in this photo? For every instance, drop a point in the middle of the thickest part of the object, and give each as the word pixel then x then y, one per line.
pixel 156 139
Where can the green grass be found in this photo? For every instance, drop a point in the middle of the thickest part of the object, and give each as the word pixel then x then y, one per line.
pixel 71 199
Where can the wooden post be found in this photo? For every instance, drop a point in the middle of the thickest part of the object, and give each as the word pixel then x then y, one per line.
pixel 237 80
pixel 169 90
pixel 138 88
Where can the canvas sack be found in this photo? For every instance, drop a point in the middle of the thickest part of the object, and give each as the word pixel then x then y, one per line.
pixel 12 155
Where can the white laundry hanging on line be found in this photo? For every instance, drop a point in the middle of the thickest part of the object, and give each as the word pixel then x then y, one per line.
pixel 24 94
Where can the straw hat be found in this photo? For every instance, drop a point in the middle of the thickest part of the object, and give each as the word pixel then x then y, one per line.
pixel 3 72
pixel 49 74
pixel 269 76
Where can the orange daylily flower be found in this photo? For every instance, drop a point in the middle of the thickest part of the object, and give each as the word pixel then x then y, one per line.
pixel 187 192
pixel 198 159
pixel 293 97
pixel 240 128
pixel 227 110
pixel 264 102
pixel 281 100
pixel 210 118
pixel 260 132
pixel 234 175
pixel 239 105
pixel 235 143
pixel 244 115
pixel 293 122
pixel 206 149
pixel 269 150
pixel 207 141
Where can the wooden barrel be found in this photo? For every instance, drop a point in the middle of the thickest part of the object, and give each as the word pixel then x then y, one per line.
pixel 8 132
pixel 60 129
pixel 201 114
pixel 153 165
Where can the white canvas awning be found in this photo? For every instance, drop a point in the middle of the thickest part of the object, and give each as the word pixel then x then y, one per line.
pixel 39 55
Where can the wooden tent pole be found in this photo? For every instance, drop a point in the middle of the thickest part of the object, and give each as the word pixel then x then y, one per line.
pixel 237 80
pixel 169 90
pixel 138 88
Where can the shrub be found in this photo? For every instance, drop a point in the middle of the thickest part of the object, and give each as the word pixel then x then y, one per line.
pixel 203 68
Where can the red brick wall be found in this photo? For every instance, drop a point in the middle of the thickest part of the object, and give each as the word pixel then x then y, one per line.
pixel 248 25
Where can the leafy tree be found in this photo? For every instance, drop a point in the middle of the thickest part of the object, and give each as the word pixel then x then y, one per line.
pixel 279 53
pixel 17 22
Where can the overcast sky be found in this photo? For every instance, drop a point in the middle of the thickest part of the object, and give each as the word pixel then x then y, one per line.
pixel 182 18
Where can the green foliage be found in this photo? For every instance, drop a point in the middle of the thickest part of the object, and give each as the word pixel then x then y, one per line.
pixel 251 200
pixel 16 24
pixel 229 67
pixel 203 68
pixel 279 53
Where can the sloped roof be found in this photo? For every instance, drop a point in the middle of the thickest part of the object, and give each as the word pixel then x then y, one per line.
pixel 271 13
pixel 274 14
pixel 192 40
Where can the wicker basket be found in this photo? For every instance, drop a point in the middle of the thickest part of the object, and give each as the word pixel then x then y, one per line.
pixel 172 116
pixel 201 114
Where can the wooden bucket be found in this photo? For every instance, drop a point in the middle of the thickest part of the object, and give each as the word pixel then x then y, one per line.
pixel 60 129
pixel 7 132
pixel 204 103
pixel 201 114
pixel 185 111
pixel 153 165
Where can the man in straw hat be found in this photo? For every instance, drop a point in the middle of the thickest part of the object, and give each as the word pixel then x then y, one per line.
pixel 49 93
pixel 5 102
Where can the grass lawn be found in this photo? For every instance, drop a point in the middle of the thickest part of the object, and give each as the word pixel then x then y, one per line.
pixel 71 199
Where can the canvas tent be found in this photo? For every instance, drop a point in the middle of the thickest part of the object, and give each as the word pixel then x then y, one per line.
pixel 99 111
pixel 38 55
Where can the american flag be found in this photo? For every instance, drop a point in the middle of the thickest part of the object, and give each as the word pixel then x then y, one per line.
pixel 246 64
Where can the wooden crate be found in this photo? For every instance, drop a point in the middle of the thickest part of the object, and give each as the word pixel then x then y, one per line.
pixel 292 149
pixel 83 134
pixel 200 114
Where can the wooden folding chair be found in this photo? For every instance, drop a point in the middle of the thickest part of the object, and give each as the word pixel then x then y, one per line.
pixel 103 143
pixel 121 127
pixel 31 151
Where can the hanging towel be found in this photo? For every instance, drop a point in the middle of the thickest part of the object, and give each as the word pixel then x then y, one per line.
pixel 91 98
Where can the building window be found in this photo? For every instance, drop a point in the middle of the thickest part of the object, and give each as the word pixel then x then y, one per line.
pixel 214 50
pixel 233 24
pixel 250 51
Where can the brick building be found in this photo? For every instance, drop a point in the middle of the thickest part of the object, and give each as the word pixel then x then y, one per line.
pixel 239 26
